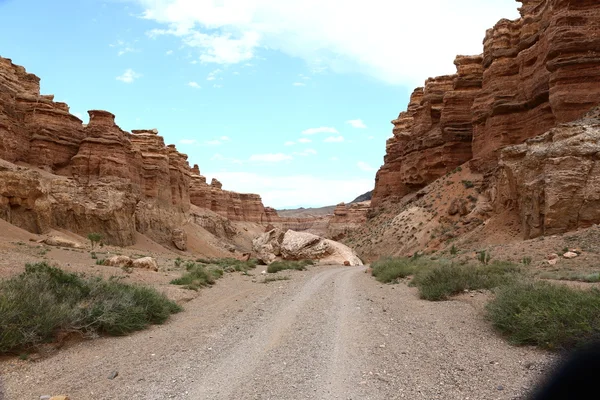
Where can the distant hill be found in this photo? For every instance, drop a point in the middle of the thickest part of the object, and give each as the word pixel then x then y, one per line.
pixel 306 212
pixel 319 211
pixel 363 197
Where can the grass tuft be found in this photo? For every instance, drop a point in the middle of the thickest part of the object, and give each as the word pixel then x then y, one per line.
pixel 269 279
pixel 197 276
pixel 546 315
pixel 285 265
pixel 444 281
pixel 43 301
pixel 390 269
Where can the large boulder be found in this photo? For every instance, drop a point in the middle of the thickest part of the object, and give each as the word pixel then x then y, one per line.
pixel 268 245
pixel 145 263
pixel 180 239
pixel 292 245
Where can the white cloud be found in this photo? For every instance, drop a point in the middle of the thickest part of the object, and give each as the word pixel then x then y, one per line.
pixel 334 139
pixel 304 140
pixel 306 152
pixel 334 158
pixel 371 137
pixel 218 142
pixel 289 143
pixel 129 76
pixel 193 84
pixel 322 129
pixel 339 35
pixel 270 157
pixel 364 166
pixel 169 52
pixel 213 75
pixel 188 141
pixel 123 47
pixel 357 123
pixel 220 157
pixel 294 190
pixel 299 84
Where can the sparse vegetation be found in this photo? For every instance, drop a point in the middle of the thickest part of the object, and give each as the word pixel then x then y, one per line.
pixel 443 281
pixel 178 261
pixel 590 277
pixel 94 238
pixel 526 260
pixel 232 264
pixel 390 269
pixel 468 184
pixel 285 265
pixel 484 257
pixel 94 256
pixel 275 278
pixel 453 250
pixel 197 276
pixel 43 301
pixel 546 315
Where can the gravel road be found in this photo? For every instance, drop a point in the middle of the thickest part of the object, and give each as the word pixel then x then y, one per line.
pixel 328 333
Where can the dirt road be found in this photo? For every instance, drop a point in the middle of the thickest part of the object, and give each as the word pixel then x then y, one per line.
pixel 328 333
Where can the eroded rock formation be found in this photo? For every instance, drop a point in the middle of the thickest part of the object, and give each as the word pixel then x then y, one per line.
pixel 97 177
pixel 433 136
pixel 553 180
pixel 290 245
pixel 535 72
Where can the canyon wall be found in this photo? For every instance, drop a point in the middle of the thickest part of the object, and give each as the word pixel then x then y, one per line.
pixel 553 180
pixel 56 172
pixel 538 71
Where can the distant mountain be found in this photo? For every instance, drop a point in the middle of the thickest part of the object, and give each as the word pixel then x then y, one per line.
pixel 363 197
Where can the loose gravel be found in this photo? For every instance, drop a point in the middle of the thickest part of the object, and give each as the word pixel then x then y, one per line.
pixel 328 333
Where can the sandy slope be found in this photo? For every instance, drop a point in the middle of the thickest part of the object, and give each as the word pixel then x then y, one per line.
pixel 329 333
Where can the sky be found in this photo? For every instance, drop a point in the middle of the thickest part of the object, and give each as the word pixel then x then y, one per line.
pixel 290 99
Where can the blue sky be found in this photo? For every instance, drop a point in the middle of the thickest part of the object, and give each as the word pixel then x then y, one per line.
pixel 290 99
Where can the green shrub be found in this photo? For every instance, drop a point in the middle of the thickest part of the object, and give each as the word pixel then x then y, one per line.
pixel 468 184
pixel 526 260
pixel 546 315
pixel 44 300
pixel 453 250
pixel 443 281
pixel 94 238
pixel 235 264
pixel 285 265
pixel 390 269
pixel 484 257
pixel 197 276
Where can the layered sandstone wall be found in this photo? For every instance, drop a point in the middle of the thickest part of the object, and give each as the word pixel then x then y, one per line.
pixel 553 181
pixel 97 177
pixel 535 72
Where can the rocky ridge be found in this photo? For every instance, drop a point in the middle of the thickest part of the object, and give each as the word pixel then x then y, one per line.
pixel 538 71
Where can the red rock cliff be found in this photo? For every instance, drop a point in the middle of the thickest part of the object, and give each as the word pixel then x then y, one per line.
pixel 99 178
pixel 535 72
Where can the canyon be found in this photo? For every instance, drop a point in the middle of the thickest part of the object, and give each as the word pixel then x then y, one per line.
pixel 58 173
pixel 514 123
